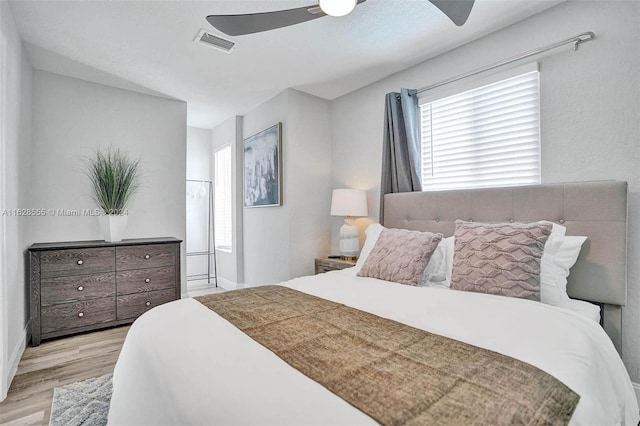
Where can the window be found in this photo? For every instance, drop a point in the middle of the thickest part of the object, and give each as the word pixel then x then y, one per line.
pixel 222 190
pixel 485 137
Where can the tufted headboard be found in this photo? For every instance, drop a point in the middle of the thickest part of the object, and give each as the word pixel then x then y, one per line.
pixel 597 210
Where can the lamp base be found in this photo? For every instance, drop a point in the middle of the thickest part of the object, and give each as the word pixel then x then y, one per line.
pixel 350 258
pixel 349 239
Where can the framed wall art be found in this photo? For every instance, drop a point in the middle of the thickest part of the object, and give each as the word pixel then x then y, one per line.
pixel 263 168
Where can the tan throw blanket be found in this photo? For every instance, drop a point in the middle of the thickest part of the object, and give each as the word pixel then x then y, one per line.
pixel 396 374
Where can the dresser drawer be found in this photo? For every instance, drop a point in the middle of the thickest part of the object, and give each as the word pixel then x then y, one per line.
pixel 78 314
pixel 145 256
pixel 77 288
pixel 80 286
pixel 134 305
pixel 139 280
pixel 59 263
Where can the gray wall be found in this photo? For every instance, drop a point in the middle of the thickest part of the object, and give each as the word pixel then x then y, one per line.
pixel 590 109
pixel 16 74
pixel 281 242
pixel 71 118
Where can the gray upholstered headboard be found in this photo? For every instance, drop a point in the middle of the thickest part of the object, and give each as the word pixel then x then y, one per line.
pixel 597 210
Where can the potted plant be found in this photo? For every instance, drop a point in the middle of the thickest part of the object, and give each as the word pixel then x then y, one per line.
pixel 114 180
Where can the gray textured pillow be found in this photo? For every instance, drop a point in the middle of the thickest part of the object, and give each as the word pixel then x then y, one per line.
pixel 501 258
pixel 400 256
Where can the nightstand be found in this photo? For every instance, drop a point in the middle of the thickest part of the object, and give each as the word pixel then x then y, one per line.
pixel 324 264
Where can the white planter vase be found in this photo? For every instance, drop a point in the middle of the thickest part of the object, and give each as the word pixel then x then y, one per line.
pixel 112 227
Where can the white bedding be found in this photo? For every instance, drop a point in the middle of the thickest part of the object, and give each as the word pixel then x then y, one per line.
pixel 183 364
pixel 586 309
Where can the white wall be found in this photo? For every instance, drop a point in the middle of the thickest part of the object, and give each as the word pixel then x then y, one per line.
pixel 15 123
pixel 237 244
pixel 266 230
pixel 308 181
pixel 72 118
pixel 198 235
pixel 281 242
pixel 198 153
pixel 230 269
pixel 590 109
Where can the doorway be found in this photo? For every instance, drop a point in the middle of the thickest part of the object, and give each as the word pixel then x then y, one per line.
pixel 200 241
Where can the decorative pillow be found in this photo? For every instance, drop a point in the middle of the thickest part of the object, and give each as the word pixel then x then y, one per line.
pixel 501 258
pixel 438 270
pixel 400 256
pixel 371 236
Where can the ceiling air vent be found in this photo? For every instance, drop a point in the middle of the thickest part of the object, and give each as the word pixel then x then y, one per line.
pixel 216 42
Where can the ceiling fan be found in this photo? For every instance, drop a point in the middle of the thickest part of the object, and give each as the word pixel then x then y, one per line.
pixel 234 25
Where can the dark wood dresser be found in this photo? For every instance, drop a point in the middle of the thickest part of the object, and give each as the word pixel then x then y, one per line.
pixel 87 285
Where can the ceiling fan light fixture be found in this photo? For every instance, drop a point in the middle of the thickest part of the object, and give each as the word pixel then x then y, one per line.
pixel 337 7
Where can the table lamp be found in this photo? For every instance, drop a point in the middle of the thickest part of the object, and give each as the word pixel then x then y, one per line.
pixel 349 203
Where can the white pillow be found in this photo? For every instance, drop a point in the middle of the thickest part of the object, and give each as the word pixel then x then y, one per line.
pixel 560 254
pixel 565 258
pixel 550 293
pixel 438 270
pixel 371 236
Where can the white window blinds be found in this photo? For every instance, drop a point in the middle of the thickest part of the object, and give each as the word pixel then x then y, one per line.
pixel 485 137
pixel 222 188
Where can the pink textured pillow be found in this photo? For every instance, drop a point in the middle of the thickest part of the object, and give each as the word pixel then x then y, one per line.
pixel 501 258
pixel 400 256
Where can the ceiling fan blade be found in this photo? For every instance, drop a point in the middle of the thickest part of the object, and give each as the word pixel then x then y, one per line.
pixel 235 25
pixel 457 10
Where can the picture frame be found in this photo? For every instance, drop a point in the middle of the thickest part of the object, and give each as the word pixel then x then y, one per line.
pixel 262 168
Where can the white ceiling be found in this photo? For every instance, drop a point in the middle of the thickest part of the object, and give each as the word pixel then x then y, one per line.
pixel 148 46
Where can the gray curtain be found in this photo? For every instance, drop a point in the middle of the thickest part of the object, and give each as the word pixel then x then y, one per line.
pixel 401 145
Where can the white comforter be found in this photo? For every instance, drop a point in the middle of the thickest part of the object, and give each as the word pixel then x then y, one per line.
pixel 183 364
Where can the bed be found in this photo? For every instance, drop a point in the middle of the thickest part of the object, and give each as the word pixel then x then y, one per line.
pixel 184 364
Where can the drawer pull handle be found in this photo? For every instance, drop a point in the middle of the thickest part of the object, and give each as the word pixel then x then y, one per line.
pixel 148 304
pixel 80 262
pixel 81 314
pixel 147 280
pixel 146 256
pixel 80 288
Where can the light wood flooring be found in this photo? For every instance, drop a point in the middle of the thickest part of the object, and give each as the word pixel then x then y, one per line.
pixel 57 363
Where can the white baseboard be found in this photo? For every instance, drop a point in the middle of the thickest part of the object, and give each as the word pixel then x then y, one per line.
pixel 636 387
pixel 14 360
pixel 203 285
pixel 227 285
pixel 199 288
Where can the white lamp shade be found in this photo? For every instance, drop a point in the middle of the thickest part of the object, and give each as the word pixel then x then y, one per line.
pixel 349 202
pixel 337 7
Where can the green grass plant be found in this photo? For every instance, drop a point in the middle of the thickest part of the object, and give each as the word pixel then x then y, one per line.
pixel 114 179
